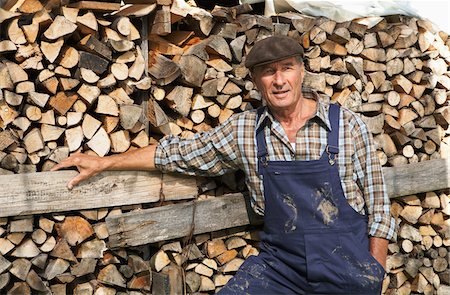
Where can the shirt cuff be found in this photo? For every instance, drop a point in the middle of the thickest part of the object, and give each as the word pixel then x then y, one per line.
pixel 159 156
pixel 383 226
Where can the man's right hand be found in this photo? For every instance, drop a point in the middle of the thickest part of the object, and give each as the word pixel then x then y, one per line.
pixel 87 166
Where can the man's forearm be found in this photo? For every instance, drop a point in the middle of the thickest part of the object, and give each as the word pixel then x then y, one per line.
pixel 378 249
pixel 88 165
pixel 138 159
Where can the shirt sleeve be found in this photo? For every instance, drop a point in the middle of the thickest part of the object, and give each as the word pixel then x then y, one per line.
pixel 211 153
pixel 371 182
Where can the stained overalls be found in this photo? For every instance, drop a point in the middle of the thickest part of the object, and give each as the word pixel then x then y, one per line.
pixel 313 241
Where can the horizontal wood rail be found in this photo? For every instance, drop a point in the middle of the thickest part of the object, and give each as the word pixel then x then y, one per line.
pixel 175 221
pixel 46 192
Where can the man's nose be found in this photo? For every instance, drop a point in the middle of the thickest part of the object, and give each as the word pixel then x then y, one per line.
pixel 278 79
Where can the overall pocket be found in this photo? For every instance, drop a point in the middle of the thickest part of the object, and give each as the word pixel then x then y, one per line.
pixel 338 265
pixel 327 271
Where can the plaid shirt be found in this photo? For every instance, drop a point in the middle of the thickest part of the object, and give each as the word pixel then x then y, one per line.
pixel 232 146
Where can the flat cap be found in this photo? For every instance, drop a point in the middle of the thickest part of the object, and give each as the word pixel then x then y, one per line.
pixel 272 49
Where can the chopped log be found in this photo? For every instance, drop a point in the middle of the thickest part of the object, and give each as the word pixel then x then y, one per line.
pixel 15 33
pixel 93 45
pixel 68 83
pixel 62 250
pixel 120 141
pixel 74 137
pixel 89 93
pixel 120 71
pixel 203 270
pixel 121 97
pixel 110 123
pixel 333 48
pixel 90 126
pixel 25 87
pixel 21 288
pixel 51 50
pixel 233 265
pixel 16 73
pixel 12 98
pixel 192 69
pixel 206 284
pixel 106 105
pixel 87 23
pixel 159 260
pixel 75 230
pixel 69 58
pixel 51 133
pixel 60 27
pixel 163 69
pixel 35 282
pixel 39 236
pixel 137 69
pixel 27 249
pixel 33 141
pixel 100 142
pixel 20 268
pixel 162 21
pixel 62 102
pixel 92 62
pixel 129 115
pixel 193 281
pixel 92 249
pixel 180 97
pixel 121 45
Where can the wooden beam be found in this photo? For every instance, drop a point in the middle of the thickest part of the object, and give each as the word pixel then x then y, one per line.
pixel 417 178
pixel 175 221
pixel 95 5
pixel 44 192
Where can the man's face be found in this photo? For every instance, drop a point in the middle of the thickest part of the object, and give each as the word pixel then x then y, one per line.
pixel 280 83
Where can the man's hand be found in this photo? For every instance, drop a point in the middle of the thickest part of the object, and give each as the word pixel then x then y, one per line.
pixel 87 165
pixel 378 249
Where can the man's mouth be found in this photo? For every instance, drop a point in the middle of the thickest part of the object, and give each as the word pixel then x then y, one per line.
pixel 280 92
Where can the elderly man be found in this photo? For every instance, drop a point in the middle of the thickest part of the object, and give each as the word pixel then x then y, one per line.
pixel 311 170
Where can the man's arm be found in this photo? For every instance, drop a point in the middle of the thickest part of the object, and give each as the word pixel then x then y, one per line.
pixel 88 166
pixel 371 182
pixel 378 249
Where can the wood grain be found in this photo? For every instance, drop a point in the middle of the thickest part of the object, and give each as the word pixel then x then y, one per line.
pixel 35 193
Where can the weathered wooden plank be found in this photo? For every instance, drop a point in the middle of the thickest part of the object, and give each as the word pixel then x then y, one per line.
pixel 417 178
pixel 174 221
pixel 95 5
pixel 34 193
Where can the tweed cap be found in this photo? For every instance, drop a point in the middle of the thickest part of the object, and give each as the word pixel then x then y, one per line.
pixel 272 49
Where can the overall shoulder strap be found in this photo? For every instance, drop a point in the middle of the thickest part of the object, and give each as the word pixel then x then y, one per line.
pixel 333 135
pixel 260 140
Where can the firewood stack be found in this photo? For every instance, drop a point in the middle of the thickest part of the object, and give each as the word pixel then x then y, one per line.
pixel 70 82
pixel 73 78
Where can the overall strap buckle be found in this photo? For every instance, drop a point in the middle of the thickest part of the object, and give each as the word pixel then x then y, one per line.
pixel 332 152
pixel 263 160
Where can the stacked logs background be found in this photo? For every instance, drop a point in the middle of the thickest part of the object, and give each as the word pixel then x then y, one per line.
pixel 66 82
pixel 73 78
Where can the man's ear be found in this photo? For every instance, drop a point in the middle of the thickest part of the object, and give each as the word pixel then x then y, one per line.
pixel 253 77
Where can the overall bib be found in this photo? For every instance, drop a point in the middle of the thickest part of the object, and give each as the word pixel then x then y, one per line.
pixel 313 241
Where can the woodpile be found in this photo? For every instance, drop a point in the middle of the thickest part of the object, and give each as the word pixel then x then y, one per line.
pixel 72 80
pixel 419 261
pixel 84 77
